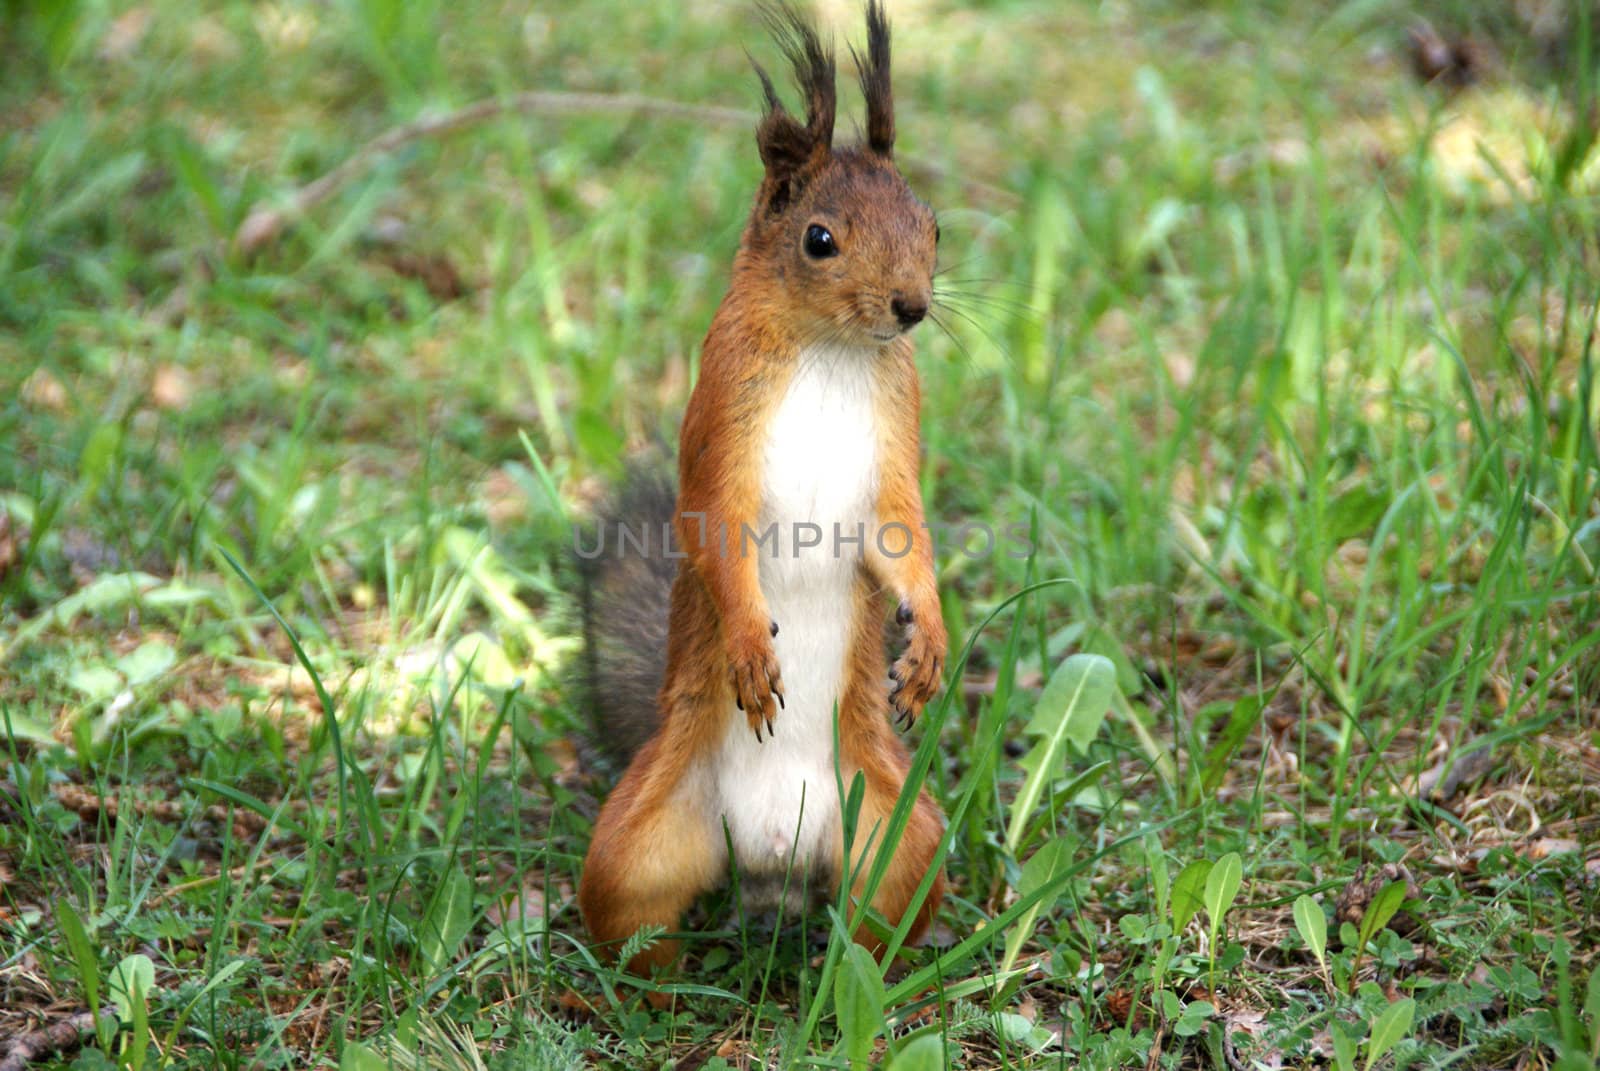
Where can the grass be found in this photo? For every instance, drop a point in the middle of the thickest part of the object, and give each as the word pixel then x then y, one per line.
pixel 1283 359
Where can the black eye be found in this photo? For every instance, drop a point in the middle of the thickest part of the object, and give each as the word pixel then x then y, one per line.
pixel 935 234
pixel 819 243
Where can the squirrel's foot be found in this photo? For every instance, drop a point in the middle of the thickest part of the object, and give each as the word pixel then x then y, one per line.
pixel 757 684
pixel 917 675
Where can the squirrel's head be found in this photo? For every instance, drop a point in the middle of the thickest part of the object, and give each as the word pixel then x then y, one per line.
pixel 838 229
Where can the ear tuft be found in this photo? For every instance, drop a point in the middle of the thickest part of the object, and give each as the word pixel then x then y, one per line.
pixel 875 87
pixel 792 151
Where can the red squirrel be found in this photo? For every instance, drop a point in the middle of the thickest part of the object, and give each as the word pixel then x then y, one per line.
pixel 804 418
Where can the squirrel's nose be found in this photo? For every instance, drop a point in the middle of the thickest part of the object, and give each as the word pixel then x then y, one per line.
pixel 909 312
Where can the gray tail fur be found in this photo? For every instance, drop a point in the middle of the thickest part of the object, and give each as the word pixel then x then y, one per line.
pixel 627 589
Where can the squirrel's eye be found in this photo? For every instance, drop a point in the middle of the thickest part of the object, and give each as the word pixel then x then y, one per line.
pixel 935 234
pixel 819 242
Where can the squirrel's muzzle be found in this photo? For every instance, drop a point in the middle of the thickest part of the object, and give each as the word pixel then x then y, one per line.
pixel 908 311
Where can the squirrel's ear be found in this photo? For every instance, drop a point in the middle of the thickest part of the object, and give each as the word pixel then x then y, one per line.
pixel 874 72
pixel 793 152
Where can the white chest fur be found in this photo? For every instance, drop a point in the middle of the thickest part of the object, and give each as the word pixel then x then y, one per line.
pixel 820 471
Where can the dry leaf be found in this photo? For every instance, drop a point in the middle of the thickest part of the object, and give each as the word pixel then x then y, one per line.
pixel 10 543
pixel 1118 1003
pixel 209 40
pixel 171 387
pixel 1455 62
pixel 527 904
pixel 736 1051
pixel 124 34
pixel 41 390
pixel 1441 783
pixel 1354 898
pixel 433 270
pixel 504 500
pixel 575 1004
pixel 1245 1020
pixel 1545 847
pixel 564 753
pixel 285 27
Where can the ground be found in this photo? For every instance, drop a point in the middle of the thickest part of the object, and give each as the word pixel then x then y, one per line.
pixel 1270 324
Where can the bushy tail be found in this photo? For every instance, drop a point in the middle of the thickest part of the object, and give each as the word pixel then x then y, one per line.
pixel 626 595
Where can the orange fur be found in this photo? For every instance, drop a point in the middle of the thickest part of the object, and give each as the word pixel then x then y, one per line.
pixel 658 843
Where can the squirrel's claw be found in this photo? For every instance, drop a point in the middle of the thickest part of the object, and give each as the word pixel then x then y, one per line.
pixel 757 685
pixel 917 676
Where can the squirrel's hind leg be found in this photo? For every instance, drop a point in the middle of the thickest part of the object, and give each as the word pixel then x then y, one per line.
pixel 868 744
pixel 651 855
pixel 908 865
pixel 883 760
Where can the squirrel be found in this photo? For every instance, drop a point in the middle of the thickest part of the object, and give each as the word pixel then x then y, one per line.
pixel 798 524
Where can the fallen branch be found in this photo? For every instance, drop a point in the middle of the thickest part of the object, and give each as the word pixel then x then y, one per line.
pixel 57 1037
pixel 267 220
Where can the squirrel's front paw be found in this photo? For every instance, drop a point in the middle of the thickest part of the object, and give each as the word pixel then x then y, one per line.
pixel 917 674
pixel 757 684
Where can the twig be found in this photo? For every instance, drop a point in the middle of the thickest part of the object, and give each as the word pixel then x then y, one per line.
pixel 268 219
pixel 57 1037
pixel 1153 1060
pixel 1230 1052
pixel 236 874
